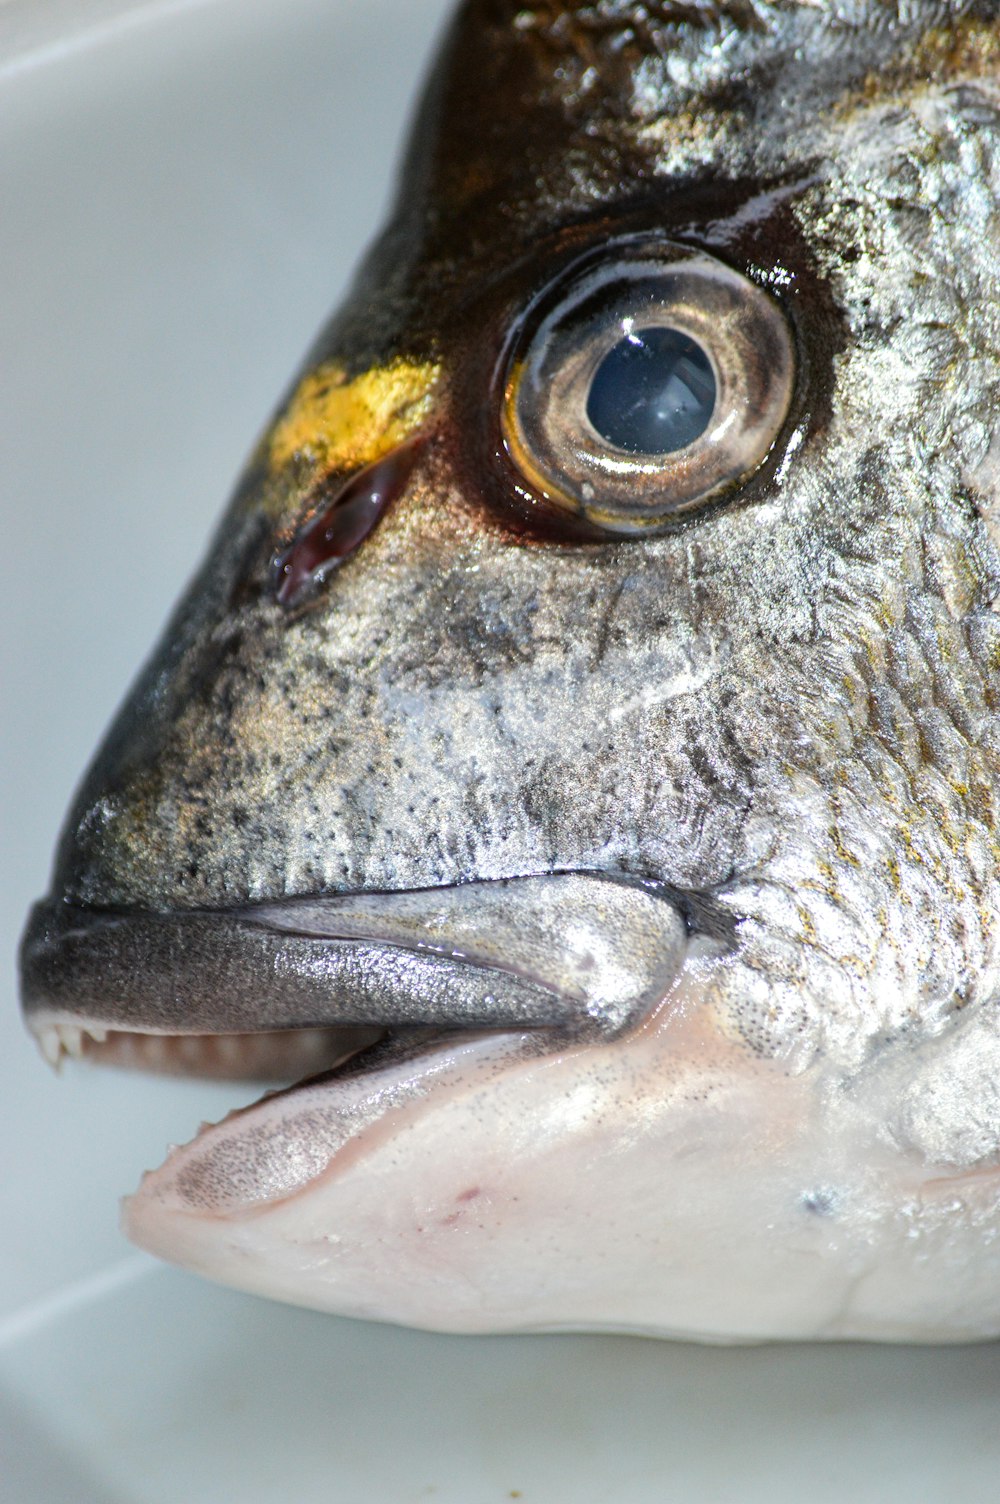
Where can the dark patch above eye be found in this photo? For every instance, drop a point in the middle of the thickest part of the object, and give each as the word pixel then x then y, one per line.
pixel 653 393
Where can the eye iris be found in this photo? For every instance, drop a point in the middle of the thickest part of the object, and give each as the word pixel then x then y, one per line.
pixel 653 393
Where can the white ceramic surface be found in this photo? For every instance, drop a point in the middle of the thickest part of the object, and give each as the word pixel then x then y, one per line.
pixel 181 199
pixel 33 31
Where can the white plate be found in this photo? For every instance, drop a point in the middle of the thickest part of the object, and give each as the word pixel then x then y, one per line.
pixel 183 192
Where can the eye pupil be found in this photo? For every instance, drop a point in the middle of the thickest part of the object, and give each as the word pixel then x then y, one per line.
pixel 653 393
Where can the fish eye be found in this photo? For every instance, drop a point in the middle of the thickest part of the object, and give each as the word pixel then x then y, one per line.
pixel 644 383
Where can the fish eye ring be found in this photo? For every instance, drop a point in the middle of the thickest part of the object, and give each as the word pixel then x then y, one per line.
pixel 646 381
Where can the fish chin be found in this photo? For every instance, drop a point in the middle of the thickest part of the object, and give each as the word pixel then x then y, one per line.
pixel 667 1182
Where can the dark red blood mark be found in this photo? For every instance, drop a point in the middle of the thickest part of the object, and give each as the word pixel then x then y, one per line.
pixel 336 530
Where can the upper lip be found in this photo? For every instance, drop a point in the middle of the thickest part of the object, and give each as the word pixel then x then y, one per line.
pixel 580 951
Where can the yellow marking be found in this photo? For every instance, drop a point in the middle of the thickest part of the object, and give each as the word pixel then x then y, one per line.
pixel 971 47
pixel 807 928
pixel 896 877
pixel 339 424
pixel 884 616
pixel 979 798
pixel 968 48
pixel 836 840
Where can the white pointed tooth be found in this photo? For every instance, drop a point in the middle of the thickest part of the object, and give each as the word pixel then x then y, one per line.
pixel 72 1039
pixel 50 1045
pixel 97 1033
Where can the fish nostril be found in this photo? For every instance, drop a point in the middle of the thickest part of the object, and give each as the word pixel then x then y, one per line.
pixel 340 526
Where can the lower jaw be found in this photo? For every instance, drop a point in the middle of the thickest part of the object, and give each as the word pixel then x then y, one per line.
pixel 470 1188
pixel 428 1184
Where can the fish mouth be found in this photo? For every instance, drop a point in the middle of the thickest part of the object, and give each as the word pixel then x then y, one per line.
pixel 280 990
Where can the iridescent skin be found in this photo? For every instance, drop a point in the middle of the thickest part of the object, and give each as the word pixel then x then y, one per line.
pixel 782 712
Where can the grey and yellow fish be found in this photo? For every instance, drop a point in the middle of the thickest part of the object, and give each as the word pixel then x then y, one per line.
pixel 580 752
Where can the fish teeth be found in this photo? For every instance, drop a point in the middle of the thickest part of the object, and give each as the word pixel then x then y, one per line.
pixel 57 1040
pixel 71 1039
pixel 50 1045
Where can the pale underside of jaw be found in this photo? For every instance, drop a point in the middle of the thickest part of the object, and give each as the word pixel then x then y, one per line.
pixel 664 1182
pixel 659 1178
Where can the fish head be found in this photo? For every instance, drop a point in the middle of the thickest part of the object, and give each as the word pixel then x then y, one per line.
pixel 580 744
